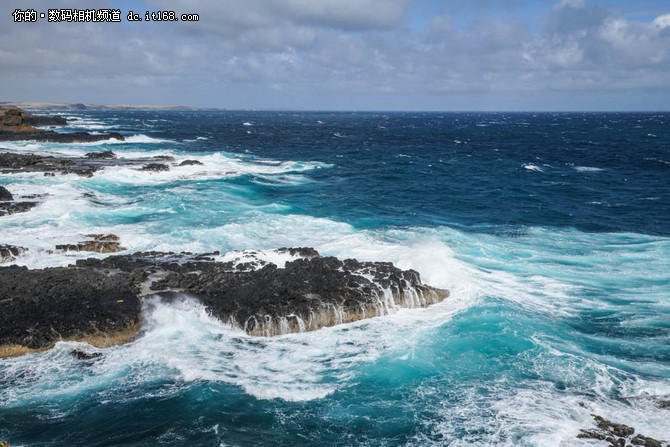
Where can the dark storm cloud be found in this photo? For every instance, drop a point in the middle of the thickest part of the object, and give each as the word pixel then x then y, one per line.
pixel 342 54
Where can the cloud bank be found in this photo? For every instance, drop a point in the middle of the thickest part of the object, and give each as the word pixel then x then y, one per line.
pixel 343 54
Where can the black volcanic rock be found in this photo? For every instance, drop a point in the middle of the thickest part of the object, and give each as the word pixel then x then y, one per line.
pixel 616 435
pixel 41 120
pixel 38 307
pixel 101 155
pixel 11 163
pixel 7 208
pixel 50 136
pixel 9 252
pixel 155 167
pixel 189 163
pixel 5 195
pixel 309 293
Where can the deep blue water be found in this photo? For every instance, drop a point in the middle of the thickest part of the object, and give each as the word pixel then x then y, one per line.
pixel 551 230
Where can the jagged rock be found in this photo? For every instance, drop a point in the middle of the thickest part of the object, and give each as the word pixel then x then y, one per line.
pixel 645 441
pixel 663 404
pixel 189 163
pixel 155 167
pixel 616 434
pixel 307 294
pixel 20 163
pixel 81 355
pixel 101 243
pixel 9 253
pixel 101 155
pixel 163 157
pixel 103 237
pixel 5 195
pixel 7 208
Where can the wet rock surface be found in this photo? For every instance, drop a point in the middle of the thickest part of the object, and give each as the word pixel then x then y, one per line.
pixel 617 435
pixel 8 253
pixel 101 155
pixel 98 243
pixel 97 296
pixel 5 195
pixel 190 163
pixel 49 136
pixel 14 163
pixel 10 206
pixel 155 167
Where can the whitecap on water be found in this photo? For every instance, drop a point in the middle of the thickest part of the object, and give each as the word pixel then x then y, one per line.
pixel 587 169
pixel 532 167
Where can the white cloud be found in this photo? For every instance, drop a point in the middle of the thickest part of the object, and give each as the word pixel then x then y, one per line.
pixel 269 53
pixel 661 22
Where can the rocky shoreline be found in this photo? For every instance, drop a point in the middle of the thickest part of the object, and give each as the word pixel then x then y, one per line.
pixel 100 300
pixel 16 125
pixel 14 163
pixel 618 435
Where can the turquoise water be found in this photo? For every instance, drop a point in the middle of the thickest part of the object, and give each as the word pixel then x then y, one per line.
pixel 551 231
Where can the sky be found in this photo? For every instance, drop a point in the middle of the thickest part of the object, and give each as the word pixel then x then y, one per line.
pixel 447 55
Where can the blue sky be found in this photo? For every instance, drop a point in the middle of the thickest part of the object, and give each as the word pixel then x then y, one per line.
pixel 348 54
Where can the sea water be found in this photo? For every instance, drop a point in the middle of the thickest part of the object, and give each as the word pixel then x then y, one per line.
pixel 551 231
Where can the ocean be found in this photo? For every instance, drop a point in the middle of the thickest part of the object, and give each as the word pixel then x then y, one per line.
pixel 551 230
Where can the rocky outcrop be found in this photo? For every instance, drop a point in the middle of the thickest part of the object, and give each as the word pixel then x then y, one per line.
pixel 8 253
pixel 14 126
pixel 155 167
pixel 263 299
pixel 100 155
pixel 41 307
pixel 9 206
pixel 189 163
pixel 13 119
pixel 13 163
pixel 616 435
pixel 41 120
pixel 49 136
pixel 99 243
pixel 5 195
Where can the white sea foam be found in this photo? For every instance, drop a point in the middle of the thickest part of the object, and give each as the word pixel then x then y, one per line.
pixel 264 256
pixel 543 272
pixel 587 169
pixel 532 167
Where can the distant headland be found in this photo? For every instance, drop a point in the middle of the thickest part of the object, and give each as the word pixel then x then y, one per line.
pixel 27 105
